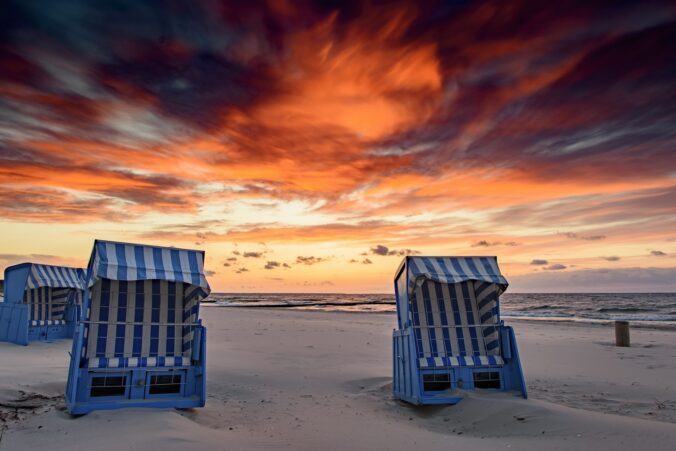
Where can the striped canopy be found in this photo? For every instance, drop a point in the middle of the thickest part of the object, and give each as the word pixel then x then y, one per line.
pixel 130 262
pixel 452 270
pixel 55 277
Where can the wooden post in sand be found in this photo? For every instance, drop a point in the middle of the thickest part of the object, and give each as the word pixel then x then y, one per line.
pixel 622 333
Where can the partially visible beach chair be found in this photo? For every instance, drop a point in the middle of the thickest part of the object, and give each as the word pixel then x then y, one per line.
pixel 450 333
pixel 141 342
pixel 41 302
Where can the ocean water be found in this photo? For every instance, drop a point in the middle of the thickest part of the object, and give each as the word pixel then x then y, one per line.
pixel 649 307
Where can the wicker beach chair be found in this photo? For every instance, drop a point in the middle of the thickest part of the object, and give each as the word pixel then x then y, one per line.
pixel 141 342
pixel 450 334
pixel 41 302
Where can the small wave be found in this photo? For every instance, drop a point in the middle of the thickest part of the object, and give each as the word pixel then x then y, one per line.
pixel 624 310
pixel 301 304
pixel 539 314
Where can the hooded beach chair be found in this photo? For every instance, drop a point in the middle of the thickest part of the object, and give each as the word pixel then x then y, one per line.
pixel 41 302
pixel 450 335
pixel 141 342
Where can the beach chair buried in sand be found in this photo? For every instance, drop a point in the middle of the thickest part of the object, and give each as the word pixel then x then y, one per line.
pixel 42 302
pixel 141 342
pixel 450 335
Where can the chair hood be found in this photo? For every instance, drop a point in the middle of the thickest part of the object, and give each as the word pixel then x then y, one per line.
pixel 132 262
pixel 451 270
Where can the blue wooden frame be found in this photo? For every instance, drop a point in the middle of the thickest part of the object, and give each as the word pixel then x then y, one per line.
pixel 408 376
pixel 15 322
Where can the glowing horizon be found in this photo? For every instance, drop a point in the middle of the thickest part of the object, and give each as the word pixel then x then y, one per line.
pixel 308 148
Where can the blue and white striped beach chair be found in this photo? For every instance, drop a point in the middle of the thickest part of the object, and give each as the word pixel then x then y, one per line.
pixel 450 334
pixel 42 302
pixel 141 342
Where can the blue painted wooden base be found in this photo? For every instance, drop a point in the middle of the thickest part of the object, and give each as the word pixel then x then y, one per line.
pixel 15 327
pixel 136 387
pixel 48 333
pixel 408 384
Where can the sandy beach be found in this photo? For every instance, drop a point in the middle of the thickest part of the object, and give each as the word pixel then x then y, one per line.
pixel 280 379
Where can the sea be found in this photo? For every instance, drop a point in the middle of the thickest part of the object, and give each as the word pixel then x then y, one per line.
pixel 653 308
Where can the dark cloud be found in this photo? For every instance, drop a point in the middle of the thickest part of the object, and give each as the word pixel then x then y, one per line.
pixel 366 261
pixel 545 112
pixel 210 273
pixel 485 243
pixel 539 262
pixel 227 265
pixel 658 253
pixel 235 252
pixel 272 265
pixel 611 258
pixel 177 54
pixel 231 259
pixel 384 250
pixel 575 236
pixel 593 237
pixel 380 250
pixel 403 252
pixel 309 260
pixel 555 267
pixel 241 270
pixel 202 238
pixel 286 265
pixel 307 283
pixel 253 254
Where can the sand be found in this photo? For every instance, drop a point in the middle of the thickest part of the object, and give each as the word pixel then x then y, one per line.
pixel 319 380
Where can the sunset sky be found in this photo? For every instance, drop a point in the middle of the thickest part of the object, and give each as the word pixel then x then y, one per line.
pixel 308 148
